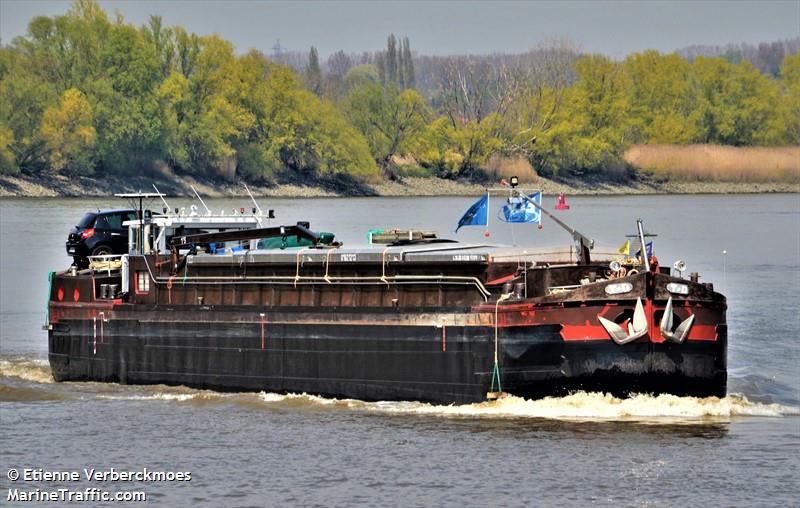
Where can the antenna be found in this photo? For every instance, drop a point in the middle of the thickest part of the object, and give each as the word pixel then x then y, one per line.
pixel 724 270
pixel 162 197
pixel 277 50
pixel 254 199
pixel 201 199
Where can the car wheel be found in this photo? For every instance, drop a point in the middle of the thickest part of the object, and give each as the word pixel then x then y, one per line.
pixel 102 250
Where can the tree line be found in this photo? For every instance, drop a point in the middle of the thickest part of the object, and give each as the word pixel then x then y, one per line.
pixel 766 56
pixel 85 94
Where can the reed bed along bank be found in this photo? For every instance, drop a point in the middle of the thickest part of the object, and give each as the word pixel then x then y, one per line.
pixel 715 163
pixel 499 167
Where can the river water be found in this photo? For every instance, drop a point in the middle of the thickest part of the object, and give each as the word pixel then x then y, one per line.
pixel 265 449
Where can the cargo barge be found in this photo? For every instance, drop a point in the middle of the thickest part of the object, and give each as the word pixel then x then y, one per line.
pixel 224 303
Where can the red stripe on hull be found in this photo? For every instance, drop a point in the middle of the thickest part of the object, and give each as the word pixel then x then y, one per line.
pixel 584 332
pixel 78 310
pixel 576 326
pixel 703 332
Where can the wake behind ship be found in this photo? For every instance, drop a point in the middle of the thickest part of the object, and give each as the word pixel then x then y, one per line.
pixel 224 303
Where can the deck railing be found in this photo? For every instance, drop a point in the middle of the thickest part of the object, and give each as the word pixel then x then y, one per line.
pixel 106 263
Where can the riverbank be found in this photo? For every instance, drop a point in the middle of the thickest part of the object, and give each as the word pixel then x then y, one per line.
pixel 55 185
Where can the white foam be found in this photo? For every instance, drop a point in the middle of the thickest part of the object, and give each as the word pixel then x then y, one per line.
pixel 179 397
pixel 578 406
pixel 602 406
pixel 36 370
pixel 302 397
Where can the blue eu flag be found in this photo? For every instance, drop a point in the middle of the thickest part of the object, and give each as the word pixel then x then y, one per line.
pixel 521 210
pixel 476 215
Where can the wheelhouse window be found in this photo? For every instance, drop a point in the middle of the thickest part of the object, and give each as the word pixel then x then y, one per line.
pixel 142 281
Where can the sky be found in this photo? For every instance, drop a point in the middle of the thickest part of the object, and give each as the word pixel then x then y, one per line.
pixel 614 28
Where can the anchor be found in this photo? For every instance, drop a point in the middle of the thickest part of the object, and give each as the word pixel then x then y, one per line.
pixel 680 333
pixel 637 326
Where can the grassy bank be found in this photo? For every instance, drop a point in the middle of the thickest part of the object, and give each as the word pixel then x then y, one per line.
pixel 55 185
pixel 659 169
pixel 714 163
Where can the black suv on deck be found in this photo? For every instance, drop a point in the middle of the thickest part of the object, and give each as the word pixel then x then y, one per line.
pixel 99 233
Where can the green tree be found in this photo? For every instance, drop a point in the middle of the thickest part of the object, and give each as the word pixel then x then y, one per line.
pixel 785 126
pixel 163 42
pixel 391 59
pixel 85 30
pixel 187 47
pixel 7 162
pixel 23 98
pixel 434 148
pixel 388 118
pixel 662 109
pixel 590 132
pixel 360 73
pixel 409 81
pixel 173 96
pixel 380 66
pixel 325 143
pixel 313 72
pixel 69 134
pixel 124 103
pixel 734 102
pixel 459 151
pixel 296 135
pixel 63 51
pixel 211 112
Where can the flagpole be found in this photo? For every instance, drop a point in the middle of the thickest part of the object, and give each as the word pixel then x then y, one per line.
pixel 488 207
pixel 646 261
pixel 585 242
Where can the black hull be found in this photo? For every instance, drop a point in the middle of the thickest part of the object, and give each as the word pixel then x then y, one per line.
pixel 377 358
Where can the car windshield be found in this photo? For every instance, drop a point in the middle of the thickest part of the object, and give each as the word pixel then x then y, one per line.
pixel 87 220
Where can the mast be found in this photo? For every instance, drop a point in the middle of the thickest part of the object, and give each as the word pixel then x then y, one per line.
pixel 645 261
pixel 162 198
pixel 208 210
pixel 253 199
pixel 642 237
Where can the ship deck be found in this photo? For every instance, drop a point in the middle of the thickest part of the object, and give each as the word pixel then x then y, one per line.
pixel 435 253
